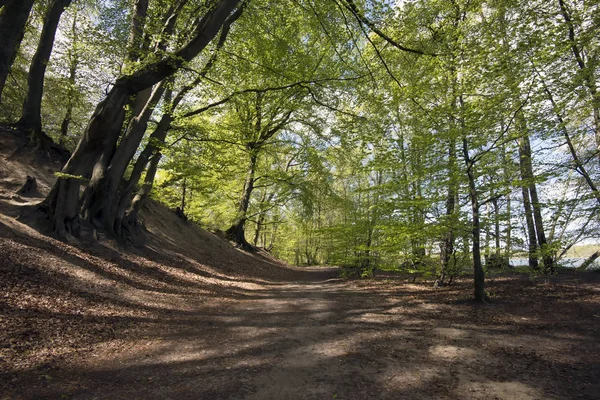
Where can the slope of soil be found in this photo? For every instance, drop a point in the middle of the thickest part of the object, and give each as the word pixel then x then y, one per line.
pixel 187 316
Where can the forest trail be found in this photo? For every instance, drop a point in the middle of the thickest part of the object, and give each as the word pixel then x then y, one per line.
pixel 325 338
pixel 184 315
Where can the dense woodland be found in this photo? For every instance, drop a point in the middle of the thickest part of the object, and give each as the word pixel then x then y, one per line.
pixel 429 136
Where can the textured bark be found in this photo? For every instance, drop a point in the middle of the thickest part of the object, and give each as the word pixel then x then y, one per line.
pixel 100 198
pixel 13 18
pixel 100 137
pixel 31 114
pixel 62 203
pixel 136 30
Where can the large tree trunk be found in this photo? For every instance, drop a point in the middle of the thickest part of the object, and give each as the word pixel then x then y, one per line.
pixel 100 198
pixel 13 17
pixel 101 135
pixel 31 114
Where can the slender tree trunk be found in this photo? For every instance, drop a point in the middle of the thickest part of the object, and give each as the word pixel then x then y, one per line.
pixel 496 226
pixel 588 73
pixel 144 192
pixel 73 64
pixel 589 261
pixel 531 235
pixel 13 17
pixel 236 231
pixel 136 30
pixel 529 220
pixel 126 194
pixel 31 114
pixel 101 135
pixel 479 274
pixel 448 242
pixel 183 195
pixel 507 184
pixel 529 180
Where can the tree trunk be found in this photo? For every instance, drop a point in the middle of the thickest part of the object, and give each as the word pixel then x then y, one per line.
pixel 144 192
pixel 13 17
pixel 589 261
pixel 507 183
pixel 236 231
pixel 101 135
pixel 479 274
pixel 73 64
pixel 496 225
pixel 447 248
pixel 100 197
pixel 531 234
pixel 136 30
pixel 31 114
pixel 126 193
pixel 529 182
pixel 588 73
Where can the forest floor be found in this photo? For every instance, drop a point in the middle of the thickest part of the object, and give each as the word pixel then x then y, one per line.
pixel 184 315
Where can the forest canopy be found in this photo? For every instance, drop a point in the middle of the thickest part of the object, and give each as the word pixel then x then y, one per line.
pixel 429 136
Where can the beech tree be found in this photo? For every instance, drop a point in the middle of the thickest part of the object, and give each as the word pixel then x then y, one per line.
pixel 102 133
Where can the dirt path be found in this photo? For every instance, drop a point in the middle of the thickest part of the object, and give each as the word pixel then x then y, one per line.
pixel 323 338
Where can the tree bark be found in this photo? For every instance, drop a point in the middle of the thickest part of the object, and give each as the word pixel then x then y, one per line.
pixel 479 274
pixel 31 114
pixel 448 242
pixel 100 198
pixel 236 231
pixel 100 137
pixel 13 17
pixel 144 192
pixel 136 30
pixel 73 64
pixel 589 261
pixel 531 234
